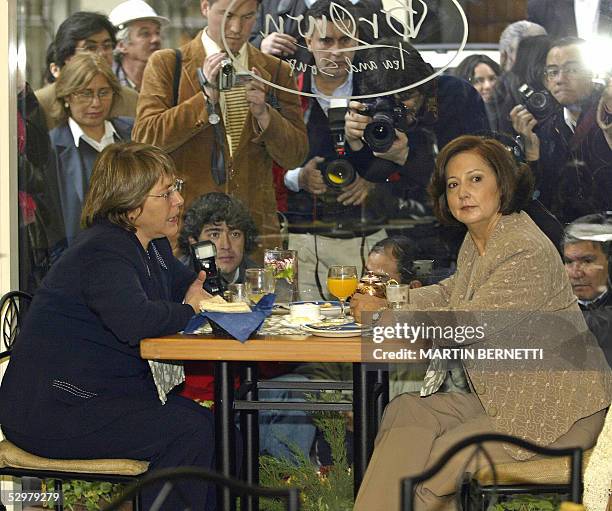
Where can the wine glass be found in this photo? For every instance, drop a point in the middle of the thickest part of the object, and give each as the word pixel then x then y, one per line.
pixel 342 283
pixel 258 282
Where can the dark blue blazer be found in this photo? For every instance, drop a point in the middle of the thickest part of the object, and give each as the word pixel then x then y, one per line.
pixel 68 168
pixel 76 364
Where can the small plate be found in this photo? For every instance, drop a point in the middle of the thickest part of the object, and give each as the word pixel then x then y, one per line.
pixel 286 321
pixel 346 330
pixel 329 309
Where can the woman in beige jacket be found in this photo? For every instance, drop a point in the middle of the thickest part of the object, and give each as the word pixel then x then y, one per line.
pixel 510 280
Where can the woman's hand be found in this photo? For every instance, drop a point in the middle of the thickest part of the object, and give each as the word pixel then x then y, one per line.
pixel 362 303
pixel 195 294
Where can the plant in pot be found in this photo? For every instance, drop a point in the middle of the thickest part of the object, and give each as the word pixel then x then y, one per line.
pixel 87 495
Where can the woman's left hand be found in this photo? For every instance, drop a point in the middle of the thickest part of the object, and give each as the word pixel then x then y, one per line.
pixel 362 303
pixel 195 294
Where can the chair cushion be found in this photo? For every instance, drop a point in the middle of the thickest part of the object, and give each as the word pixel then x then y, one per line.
pixel 540 471
pixel 13 456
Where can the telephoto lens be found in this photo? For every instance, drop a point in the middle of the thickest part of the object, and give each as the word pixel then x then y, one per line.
pixel 338 173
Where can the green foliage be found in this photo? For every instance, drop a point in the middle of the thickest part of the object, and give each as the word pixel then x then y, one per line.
pixel 86 494
pixel 529 503
pixel 328 489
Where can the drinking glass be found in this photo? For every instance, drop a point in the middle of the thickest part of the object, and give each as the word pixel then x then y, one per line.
pixel 397 295
pixel 258 282
pixel 342 283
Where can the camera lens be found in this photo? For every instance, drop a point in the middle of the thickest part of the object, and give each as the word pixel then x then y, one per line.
pixel 538 100
pixel 339 173
pixel 379 135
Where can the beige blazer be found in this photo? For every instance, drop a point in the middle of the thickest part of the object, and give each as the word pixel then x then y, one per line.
pixel 520 291
pixel 184 131
pixel 123 105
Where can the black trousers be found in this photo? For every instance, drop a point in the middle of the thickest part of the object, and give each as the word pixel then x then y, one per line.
pixel 178 433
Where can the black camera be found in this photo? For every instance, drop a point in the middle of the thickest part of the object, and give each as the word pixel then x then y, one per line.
pixel 204 254
pixel 541 104
pixel 229 77
pixel 387 116
pixel 338 172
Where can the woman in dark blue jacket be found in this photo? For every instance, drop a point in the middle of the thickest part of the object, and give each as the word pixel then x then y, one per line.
pixel 76 386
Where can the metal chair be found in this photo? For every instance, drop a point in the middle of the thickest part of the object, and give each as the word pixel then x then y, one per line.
pixel 169 476
pixel 563 476
pixel 16 462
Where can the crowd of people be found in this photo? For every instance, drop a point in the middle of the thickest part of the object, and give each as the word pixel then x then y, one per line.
pixel 132 153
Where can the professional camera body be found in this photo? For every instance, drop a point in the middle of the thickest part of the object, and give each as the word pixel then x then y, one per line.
pixel 541 104
pixel 338 172
pixel 204 254
pixel 387 116
pixel 229 77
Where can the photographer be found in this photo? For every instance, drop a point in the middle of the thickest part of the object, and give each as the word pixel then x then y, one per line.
pixel 224 140
pixel 567 150
pixel 421 120
pixel 329 218
pixel 428 117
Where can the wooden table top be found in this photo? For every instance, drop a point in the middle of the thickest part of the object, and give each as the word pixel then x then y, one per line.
pixel 263 348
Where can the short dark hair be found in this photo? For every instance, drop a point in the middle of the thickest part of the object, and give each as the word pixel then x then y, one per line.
pixel 75 28
pixel 561 42
pixel 214 208
pixel 515 181
pixel 602 219
pixel 383 80
pixel 321 8
pixel 402 249
pixel 466 67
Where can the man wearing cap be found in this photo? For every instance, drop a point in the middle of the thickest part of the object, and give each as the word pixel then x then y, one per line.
pixel 138 36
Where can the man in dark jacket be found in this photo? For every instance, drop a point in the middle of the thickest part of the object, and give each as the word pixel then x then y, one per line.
pixel 588 267
pixel 567 150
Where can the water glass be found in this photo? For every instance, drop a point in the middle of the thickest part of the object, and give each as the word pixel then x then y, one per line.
pixel 258 282
pixel 398 295
pixel 237 293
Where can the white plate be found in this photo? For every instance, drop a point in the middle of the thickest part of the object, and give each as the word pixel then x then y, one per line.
pixel 297 324
pixel 328 312
pixel 323 332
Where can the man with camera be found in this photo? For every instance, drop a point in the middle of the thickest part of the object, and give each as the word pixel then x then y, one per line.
pixel 567 149
pixel 331 220
pixel 394 139
pixel 222 125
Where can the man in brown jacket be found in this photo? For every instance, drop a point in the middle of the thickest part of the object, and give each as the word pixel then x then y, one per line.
pixel 254 126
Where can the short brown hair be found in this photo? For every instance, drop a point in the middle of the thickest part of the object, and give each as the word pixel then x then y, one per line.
pixel 123 175
pixel 76 75
pixel 515 181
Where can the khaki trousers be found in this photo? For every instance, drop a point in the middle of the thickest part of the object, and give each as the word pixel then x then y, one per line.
pixel 416 431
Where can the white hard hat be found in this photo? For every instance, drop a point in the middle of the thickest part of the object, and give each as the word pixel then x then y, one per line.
pixel 132 10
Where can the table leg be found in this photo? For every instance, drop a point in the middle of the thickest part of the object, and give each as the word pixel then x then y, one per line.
pixel 361 424
pixel 249 427
pixel 381 400
pixel 224 431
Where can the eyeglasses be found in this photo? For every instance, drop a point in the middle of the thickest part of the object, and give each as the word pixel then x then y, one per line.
pixel 105 47
pixel 87 96
pixel 570 70
pixel 176 187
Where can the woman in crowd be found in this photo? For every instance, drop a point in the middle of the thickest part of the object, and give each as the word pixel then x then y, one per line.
pixel 76 386
pixel 85 92
pixel 482 72
pixel 528 69
pixel 511 281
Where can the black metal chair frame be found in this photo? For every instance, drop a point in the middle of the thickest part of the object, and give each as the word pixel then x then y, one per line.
pixel 573 487
pixel 235 486
pixel 11 308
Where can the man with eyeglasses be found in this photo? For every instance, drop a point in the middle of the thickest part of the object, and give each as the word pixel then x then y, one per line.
pixel 85 32
pixel 567 149
pixel 225 140
pixel 138 36
pixel 588 266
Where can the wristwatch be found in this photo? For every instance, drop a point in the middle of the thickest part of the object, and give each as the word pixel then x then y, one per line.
pixel 204 81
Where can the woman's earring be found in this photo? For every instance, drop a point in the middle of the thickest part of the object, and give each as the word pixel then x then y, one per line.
pixel 66 105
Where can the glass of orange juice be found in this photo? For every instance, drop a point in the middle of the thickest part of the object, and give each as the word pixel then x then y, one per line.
pixel 342 283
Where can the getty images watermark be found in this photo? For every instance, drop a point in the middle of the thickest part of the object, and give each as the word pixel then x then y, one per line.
pixel 493 340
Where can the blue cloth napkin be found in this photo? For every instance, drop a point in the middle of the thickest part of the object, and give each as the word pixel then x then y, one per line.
pixel 239 325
